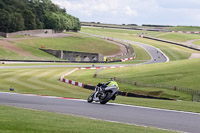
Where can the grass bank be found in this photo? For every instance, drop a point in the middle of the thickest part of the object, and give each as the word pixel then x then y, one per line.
pixel 183 73
pixel 20 120
pixel 184 28
pixel 197 42
pixel 71 43
pixel 179 37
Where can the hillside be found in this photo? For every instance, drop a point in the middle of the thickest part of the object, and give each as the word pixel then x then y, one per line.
pixel 28 48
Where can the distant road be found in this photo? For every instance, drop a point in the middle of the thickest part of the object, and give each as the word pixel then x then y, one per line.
pixel 156 54
pixel 160 118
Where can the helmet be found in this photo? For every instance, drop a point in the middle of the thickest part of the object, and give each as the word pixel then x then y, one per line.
pixel 111 79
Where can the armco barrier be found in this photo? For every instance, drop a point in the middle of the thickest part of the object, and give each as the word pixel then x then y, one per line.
pixel 187 32
pixel 60 61
pixel 91 87
pixel 175 43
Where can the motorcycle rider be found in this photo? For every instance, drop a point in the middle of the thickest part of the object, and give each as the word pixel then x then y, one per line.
pixel 104 92
pixel 112 82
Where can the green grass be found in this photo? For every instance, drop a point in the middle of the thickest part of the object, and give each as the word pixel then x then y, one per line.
pixel 1 37
pixel 179 37
pixel 173 105
pixel 73 43
pixel 45 81
pixel 40 81
pixel 87 77
pixel 185 73
pixel 79 44
pixel 184 28
pixel 6 54
pixel 20 120
pixel 140 53
pixel 172 51
pixel 197 42
pixel 88 64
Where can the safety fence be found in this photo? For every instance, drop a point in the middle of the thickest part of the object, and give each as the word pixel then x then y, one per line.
pixel 194 93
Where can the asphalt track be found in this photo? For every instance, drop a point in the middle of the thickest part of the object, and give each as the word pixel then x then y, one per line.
pixel 144 116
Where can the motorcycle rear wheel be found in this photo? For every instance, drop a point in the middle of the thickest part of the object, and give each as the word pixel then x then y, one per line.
pixel 106 99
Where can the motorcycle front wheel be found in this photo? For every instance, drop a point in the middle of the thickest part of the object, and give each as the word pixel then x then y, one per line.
pixel 90 98
pixel 106 99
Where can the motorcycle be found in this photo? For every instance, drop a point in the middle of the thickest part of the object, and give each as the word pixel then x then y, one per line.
pixel 103 93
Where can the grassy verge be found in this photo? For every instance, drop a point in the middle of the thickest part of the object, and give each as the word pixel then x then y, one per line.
pixel 140 53
pixel 183 73
pixel 20 120
pixel 197 42
pixel 178 37
pixel 184 28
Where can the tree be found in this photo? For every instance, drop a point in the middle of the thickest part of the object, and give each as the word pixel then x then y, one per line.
pixel 5 21
pixel 29 20
pixel 18 15
pixel 17 22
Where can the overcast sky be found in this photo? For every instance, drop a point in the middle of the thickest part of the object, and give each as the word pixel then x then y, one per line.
pixel 163 12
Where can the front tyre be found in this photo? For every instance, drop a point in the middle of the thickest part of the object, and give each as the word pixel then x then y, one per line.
pixel 90 98
pixel 106 99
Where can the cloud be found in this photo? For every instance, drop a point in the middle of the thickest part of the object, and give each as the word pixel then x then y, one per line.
pixel 186 4
pixel 129 11
pixel 169 12
pixel 96 7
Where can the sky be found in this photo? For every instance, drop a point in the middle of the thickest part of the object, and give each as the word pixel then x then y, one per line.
pixel 159 12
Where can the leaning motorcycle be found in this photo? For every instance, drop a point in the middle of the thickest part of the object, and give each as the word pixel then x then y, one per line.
pixel 103 93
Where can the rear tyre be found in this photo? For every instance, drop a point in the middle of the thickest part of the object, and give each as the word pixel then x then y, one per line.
pixel 106 99
pixel 90 98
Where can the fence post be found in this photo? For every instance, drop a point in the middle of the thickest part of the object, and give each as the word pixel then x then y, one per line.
pixel 175 88
pixel 135 83
pixel 198 95
pixel 192 97
pixel 95 75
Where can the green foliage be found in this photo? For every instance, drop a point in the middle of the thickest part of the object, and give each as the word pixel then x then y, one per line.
pixel 16 15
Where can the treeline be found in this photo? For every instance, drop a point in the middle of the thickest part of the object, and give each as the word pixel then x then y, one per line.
pixel 17 15
pixel 150 25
